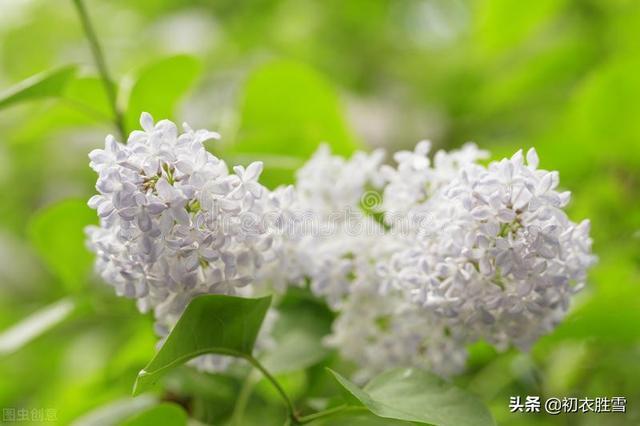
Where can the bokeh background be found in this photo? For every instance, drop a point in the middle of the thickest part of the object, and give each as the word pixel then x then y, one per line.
pixel 276 77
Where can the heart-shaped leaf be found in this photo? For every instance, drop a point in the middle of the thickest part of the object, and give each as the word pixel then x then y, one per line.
pixel 289 108
pixel 418 396
pixel 218 324
pixel 159 87
pixel 286 111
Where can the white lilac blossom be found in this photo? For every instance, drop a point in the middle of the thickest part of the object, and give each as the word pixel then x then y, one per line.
pixel 416 177
pixel 335 246
pixel 174 222
pixel 465 251
pixel 497 257
pixel 330 184
pixel 289 244
pixel 378 332
pixel 330 189
pixel 329 192
pixel 469 252
pixel 378 329
pixel 324 231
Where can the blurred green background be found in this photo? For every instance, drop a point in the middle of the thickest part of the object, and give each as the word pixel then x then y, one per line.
pixel 276 77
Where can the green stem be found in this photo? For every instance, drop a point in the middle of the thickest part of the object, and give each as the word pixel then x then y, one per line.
pixel 243 400
pixel 101 64
pixel 290 409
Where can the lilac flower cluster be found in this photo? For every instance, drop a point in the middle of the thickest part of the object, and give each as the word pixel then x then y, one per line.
pixel 174 222
pixel 418 259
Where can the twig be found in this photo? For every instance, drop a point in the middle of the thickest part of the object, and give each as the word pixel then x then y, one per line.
pixel 98 56
pixel 290 409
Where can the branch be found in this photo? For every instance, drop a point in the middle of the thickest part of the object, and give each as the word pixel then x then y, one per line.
pixel 98 56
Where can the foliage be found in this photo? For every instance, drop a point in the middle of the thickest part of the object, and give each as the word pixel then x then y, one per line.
pixel 57 233
pixel 47 84
pixel 417 396
pixel 216 324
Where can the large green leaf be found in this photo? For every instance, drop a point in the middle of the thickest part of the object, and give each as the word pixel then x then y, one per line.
pixel 418 396
pixel 57 233
pixel 159 86
pixel 87 94
pixel 44 85
pixel 499 29
pixel 608 95
pixel 82 102
pixel 218 324
pixel 288 109
pixel 161 415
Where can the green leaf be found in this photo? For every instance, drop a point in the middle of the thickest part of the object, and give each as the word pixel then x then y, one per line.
pixel 57 233
pixel 418 396
pixel 83 102
pixel 499 28
pixel 216 324
pixel 165 414
pixel 159 86
pixel 43 85
pixel 88 95
pixel 288 109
